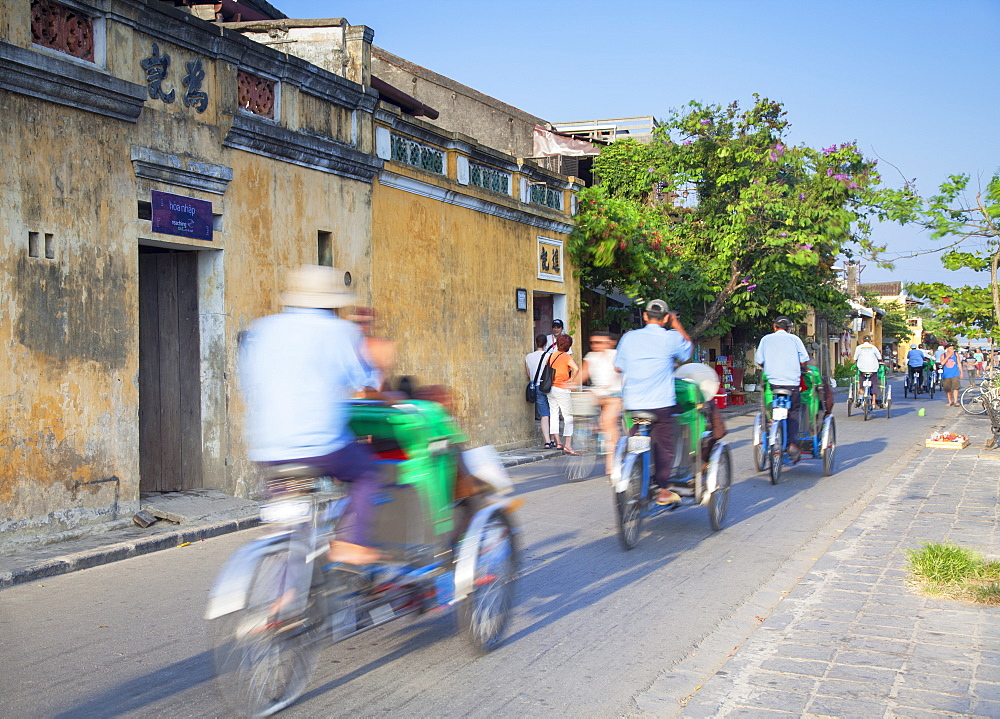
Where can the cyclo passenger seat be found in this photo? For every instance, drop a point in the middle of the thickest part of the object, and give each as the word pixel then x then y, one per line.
pixel 640 417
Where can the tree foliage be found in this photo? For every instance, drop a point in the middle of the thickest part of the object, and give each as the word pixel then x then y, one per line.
pixel 719 216
pixel 971 227
pixel 894 325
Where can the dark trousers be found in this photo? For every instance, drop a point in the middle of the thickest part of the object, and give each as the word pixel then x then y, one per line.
pixel 662 438
pixel 354 464
pixel 916 376
pixel 792 424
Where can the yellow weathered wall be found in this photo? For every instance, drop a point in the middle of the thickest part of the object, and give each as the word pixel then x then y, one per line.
pixel 68 324
pixel 444 288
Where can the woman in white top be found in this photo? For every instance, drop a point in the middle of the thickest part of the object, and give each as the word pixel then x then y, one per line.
pixel 606 381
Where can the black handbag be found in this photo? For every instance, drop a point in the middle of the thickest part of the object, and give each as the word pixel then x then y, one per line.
pixel 548 375
pixel 531 390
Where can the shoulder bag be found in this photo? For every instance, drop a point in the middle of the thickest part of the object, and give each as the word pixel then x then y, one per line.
pixel 531 391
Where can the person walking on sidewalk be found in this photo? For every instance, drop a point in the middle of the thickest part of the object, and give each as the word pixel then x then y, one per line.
pixel 646 358
pixel 559 398
pixel 783 357
pixel 532 362
pixel 951 375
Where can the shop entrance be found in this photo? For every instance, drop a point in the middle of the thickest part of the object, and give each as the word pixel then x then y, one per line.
pixel 170 446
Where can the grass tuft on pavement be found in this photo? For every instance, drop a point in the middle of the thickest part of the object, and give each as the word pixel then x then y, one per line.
pixel 953 572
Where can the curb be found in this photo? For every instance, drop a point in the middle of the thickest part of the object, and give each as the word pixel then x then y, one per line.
pixel 122 550
pixel 166 540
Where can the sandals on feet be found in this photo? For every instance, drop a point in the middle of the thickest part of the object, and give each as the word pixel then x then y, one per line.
pixel 567 450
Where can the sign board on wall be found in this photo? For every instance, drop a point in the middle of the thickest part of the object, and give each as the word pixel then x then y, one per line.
pixel 550 259
pixel 181 216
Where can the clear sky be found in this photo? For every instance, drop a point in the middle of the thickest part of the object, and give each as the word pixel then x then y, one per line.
pixel 913 82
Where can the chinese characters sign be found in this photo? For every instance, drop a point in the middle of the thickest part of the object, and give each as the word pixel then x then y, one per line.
pixel 157 66
pixel 182 216
pixel 550 259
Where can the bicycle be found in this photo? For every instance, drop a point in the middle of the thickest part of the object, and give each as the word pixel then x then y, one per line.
pixel 586 437
pixel 972 398
pixel 860 394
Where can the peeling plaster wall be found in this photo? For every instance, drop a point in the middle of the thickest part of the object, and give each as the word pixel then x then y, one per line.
pixel 69 396
pixel 445 281
pixel 69 323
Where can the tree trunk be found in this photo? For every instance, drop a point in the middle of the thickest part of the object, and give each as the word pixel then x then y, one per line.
pixel 718 305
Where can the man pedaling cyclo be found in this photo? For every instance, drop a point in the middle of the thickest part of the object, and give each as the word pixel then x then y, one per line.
pixel 868 360
pixel 783 357
pixel 646 359
pixel 915 359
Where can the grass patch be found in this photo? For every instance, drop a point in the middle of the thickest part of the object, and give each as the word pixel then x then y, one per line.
pixel 954 572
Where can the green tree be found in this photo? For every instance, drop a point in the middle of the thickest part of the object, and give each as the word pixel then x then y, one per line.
pixel 894 324
pixel 722 218
pixel 971 226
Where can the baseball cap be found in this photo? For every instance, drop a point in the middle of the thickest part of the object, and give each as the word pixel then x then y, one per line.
pixel 658 307
pixel 783 322
pixel 867 338
pixel 557 323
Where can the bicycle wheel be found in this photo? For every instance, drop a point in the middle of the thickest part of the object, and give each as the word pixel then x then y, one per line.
pixel 629 505
pixel 850 399
pixel 759 443
pixel 866 405
pixel 483 615
pixel 580 466
pixel 775 448
pixel 930 390
pixel 887 398
pixel 718 502
pixel 262 664
pixel 972 400
pixel 829 445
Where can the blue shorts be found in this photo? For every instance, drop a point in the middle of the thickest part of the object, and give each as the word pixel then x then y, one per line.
pixel 541 403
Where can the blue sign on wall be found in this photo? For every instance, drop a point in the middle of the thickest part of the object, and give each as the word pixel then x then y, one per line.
pixel 182 216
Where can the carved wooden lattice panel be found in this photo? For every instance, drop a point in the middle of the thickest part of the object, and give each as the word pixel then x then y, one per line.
pixel 256 94
pixel 61 28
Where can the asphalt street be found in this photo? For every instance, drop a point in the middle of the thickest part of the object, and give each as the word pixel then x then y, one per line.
pixel 594 626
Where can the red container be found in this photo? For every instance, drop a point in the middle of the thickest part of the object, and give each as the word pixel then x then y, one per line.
pixel 721 400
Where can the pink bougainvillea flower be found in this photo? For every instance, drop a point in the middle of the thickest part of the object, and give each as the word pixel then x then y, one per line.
pixel 706 122
pixel 687 142
pixel 802 196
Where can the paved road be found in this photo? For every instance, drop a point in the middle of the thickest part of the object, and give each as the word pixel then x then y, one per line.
pixel 594 627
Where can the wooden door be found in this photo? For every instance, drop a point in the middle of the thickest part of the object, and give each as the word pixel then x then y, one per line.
pixel 543 316
pixel 169 371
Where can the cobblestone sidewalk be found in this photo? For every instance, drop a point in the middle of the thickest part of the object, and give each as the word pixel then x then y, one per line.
pixel 853 640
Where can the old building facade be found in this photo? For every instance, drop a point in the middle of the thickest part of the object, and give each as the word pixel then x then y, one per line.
pixel 162 172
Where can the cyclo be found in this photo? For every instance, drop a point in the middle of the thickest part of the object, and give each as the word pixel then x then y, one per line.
pixel 702 469
pixel 859 395
pixel 927 382
pixel 817 433
pixel 448 537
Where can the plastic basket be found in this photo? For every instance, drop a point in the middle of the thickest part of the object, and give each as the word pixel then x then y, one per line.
pixel 581 404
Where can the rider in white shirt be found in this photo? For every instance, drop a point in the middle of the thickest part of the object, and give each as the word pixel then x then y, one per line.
pixel 868 360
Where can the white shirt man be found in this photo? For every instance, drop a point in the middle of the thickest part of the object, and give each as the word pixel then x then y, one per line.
pixel 867 357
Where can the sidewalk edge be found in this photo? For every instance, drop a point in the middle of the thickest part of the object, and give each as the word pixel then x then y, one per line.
pixel 122 550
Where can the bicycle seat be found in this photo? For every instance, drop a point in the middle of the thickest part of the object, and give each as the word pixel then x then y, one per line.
pixel 293 470
pixel 782 392
pixel 643 417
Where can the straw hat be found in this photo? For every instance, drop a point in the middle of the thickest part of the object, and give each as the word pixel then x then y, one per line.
pixel 317 286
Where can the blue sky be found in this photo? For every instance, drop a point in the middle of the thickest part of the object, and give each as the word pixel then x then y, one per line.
pixel 915 83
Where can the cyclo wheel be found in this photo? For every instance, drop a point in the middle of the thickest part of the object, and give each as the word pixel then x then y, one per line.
pixel 580 466
pixel 629 505
pixel 483 616
pixel 850 399
pixel 887 398
pixel 759 443
pixel 930 388
pixel 972 400
pixel 830 448
pixel 775 448
pixel 718 502
pixel 263 665
pixel 866 404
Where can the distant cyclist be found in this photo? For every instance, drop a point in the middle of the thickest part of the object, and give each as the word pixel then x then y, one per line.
pixel 915 367
pixel 868 359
